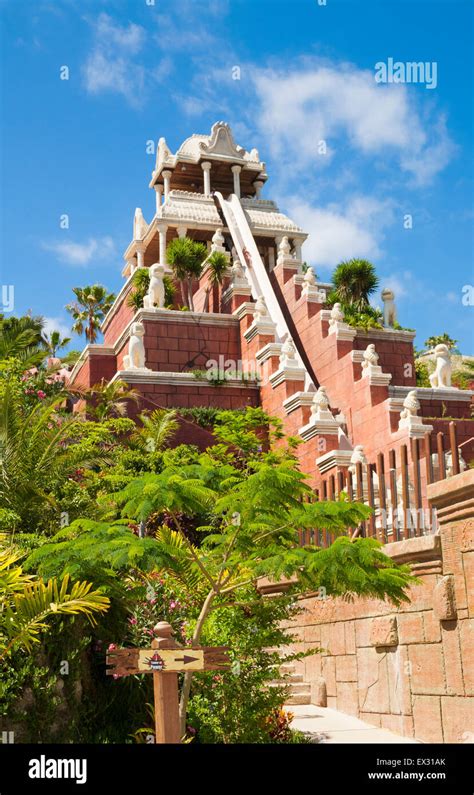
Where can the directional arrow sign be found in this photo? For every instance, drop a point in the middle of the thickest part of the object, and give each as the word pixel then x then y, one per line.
pixel 172 660
pixel 126 662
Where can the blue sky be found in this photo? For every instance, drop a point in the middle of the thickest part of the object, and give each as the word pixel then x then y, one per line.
pixel 139 70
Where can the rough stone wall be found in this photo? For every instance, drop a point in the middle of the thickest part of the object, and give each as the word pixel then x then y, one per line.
pixel 409 669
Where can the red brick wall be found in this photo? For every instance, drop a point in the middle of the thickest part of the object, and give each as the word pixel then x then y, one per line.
pixel 177 346
pixel 120 320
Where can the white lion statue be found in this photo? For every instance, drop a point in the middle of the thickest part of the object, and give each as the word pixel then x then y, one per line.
pixel 389 310
pixel 442 374
pixel 135 360
pixel 155 298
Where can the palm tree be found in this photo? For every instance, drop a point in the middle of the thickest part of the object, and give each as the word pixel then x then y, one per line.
pixel 21 338
pixel 107 400
pixel 186 257
pixel 54 342
pixel 26 603
pixel 354 282
pixel 217 268
pixel 35 454
pixel 89 310
pixel 158 429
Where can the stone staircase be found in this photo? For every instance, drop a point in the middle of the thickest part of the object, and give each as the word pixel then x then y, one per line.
pixel 299 690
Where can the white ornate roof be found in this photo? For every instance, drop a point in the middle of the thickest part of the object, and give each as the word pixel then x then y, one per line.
pixel 185 206
pixel 218 145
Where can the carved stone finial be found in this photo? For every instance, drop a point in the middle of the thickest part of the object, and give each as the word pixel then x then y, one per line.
pixel 288 354
pixel 389 309
pixel 139 225
pixel 309 279
pixel 358 456
pixel 371 358
pixel 337 315
pixel 441 378
pixel 260 311
pixel 411 405
pixel 155 297
pixel 320 406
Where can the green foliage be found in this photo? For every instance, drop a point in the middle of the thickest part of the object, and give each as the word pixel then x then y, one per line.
pixel 27 604
pixel 422 372
pixel 354 282
pixel 186 257
pixel 110 399
pixel 217 265
pixel 441 339
pixel 21 339
pixel 365 318
pixel 240 706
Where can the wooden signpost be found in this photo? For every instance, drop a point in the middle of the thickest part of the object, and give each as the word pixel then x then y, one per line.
pixel 164 659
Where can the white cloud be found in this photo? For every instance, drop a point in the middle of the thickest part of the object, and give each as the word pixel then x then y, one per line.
pixel 341 105
pixel 338 232
pixel 110 66
pixel 81 253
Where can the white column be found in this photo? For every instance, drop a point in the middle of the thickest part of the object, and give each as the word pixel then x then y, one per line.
pixel 181 230
pixel 131 265
pixel 297 244
pixel 140 249
pixel 167 178
pixel 206 167
pixel 258 185
pixel 158 196
pixel 236 172
pixel 162 230
pixel 271 258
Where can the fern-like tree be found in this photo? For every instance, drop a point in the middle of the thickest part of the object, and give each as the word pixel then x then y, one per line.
pixel 249 508
pixel 186 257
pixel 354 282
pixel 89 310
pixel 217 265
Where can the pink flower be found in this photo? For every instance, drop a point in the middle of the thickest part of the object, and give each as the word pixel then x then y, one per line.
pixel 152 601
pixel 111 646
pixel 133 620
pixel 172 605
pixel 41 394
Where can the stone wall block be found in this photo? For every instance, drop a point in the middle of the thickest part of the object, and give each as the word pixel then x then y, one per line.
pixel 384 631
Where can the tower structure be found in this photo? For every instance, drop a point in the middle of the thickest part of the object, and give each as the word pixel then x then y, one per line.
pixel 265 336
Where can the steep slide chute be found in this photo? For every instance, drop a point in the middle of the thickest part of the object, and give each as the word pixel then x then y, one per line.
pixel 255 270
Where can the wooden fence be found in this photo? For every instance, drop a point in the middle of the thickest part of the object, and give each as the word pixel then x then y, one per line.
pixel 394 486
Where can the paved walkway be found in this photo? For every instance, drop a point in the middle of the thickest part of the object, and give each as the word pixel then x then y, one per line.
pixel 329 726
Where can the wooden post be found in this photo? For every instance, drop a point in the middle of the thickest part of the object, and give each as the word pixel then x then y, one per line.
pixel 165 690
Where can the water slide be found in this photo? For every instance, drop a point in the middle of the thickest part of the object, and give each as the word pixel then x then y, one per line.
pixel 255 270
